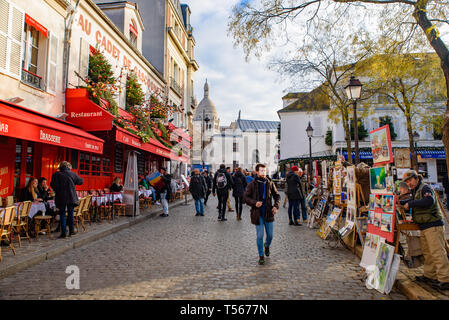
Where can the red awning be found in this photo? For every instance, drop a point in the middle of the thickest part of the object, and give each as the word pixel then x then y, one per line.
pixel 31 22
pixel 153 146
pixel 85 114
pixel 19 122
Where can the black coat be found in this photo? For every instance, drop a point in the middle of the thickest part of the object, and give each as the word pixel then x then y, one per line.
pixel 116 188
pixel 446 184
pixel 240 184
pixel 198 187
pixel 63 184
pixel 294 188
pixel 44 194
pixel 26 195
pixel 208 182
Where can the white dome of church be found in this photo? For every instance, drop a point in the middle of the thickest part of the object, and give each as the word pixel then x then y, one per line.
pixel 206 106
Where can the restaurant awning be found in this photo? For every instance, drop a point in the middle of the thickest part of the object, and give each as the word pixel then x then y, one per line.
pixel 85 114
pixel 22 123
pixel 432 154
pixel 153 146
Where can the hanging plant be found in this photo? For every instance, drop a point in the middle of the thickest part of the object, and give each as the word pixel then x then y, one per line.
pixel 134 92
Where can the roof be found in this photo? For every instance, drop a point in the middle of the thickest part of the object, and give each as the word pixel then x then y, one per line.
pixel 207 106
pixel 253 125
pixel 315 100
pixel 293 95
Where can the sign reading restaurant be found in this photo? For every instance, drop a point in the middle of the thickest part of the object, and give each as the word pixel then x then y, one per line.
pixel 96 36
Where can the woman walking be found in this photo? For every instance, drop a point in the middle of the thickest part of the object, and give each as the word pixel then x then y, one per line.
pixel 239 191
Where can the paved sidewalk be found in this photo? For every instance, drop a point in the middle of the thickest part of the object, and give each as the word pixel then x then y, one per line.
pixel 45 248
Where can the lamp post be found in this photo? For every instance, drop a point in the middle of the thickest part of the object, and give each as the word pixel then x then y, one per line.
pixel 353 92
pixel 205 119
pixel 415 140
pixel 309 131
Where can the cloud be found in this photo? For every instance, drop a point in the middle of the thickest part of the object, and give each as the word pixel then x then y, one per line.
pixel 234 83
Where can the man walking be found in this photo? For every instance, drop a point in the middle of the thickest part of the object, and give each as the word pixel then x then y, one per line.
pixel 427 214
pixel 228 201
pixel 165 191
pixel 302 202
pixel 198 190
pixel 238 191
pixel 208 180
pixel 222 184
pixel 260 195
pixel 63 183
pixel 295 195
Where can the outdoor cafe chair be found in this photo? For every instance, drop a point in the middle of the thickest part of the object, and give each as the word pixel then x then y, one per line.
pixel 21 222
pixel 88 209
pixel 78 214
pixel 9 201
pixel 6 228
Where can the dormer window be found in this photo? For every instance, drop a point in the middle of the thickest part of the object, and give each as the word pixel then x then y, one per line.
pixel 133 33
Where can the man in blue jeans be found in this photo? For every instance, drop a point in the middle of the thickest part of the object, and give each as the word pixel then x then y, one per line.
pixel 302 202
pixel 295 195
pixel 260 194
pixel 63 183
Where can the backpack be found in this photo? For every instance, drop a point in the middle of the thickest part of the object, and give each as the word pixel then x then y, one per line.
pixel 222 182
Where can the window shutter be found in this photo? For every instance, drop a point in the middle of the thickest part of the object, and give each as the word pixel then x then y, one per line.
pixel 11 31
pixel 16 32
pixel 52 63
pixel 317 126
pixel 83 61
pixel 4 14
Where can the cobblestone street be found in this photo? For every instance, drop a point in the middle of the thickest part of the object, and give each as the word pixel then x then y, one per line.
pixel 188 257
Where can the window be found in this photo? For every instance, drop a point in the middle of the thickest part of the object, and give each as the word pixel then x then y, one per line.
pixel 95 165
pixel 235 147
pixel 133 38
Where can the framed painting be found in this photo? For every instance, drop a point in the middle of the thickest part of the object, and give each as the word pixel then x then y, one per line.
pixel 402 158
pixel 378 180
pixel 381 146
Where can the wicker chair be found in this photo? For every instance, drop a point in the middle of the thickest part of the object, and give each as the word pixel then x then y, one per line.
pixel 21 222
pixel 6 228
pixel 78 214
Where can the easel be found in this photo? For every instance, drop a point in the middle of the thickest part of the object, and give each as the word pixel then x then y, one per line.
pixel 358 195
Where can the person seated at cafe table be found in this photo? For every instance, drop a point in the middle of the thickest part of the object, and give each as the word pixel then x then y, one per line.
pixel 46 194
pixel 30 192
pixel 143 183
pixel 116 185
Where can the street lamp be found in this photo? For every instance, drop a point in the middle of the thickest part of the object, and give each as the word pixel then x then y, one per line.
pixel 309 131
pixel 205 119
pixel 353 92
pixel 415 139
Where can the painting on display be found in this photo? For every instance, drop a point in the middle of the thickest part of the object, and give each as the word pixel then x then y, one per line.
pixel 384 257
pixel 362 228
pixel 371 205
pixel 378 179
pixel 381 146
pixel 384 216
pixel 329 223
pixel 389 181
pixel 324 173
pixel 402 158
pixel 372 242
pixel 351 213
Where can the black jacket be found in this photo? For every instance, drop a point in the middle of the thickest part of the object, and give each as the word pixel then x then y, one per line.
pixel 44 194
pixel 26 195
pixel 63 184
pixel 240 184
pixel 198 187
pixel 167 186
pixel 446 184
pixel 229 184
pixel 208 180
pixel 116 188
pixel 294 188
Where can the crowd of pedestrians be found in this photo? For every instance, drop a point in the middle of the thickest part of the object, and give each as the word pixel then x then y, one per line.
pixel 254 189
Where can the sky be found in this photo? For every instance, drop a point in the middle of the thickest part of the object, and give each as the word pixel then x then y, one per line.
pixel 234 84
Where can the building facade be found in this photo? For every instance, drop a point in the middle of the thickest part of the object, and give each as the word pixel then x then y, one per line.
pixel 244 143
pixel 46 115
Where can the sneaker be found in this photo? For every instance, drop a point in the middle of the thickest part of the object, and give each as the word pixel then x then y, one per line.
pixel 224 219
pixel 261 260
pixel 424 279
pixel 197 214
pixel 164 215
pixel 267 251
pixel 440 285
pixel 158 203
pixel 202 214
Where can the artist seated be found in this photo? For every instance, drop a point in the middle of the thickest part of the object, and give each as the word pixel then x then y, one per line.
pixel 116 185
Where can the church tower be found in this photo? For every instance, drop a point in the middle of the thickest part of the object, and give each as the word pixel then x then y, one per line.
pixel 204 130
